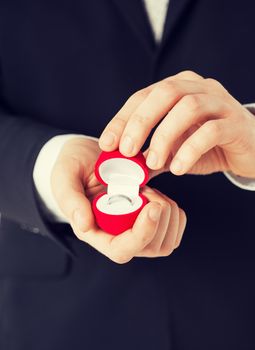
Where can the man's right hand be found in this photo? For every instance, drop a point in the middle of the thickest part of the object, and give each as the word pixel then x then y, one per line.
pixel 157 231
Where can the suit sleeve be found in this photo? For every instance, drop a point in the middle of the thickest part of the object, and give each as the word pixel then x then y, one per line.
pixel 21 139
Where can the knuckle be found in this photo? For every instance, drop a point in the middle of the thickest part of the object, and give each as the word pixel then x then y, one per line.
pixel 183 214
pixel 169 88
pixel 140 94
pixel 213 82
pixel 146 238
pixel 173 203
pixel 152 249
pixel 139 119
pixel 118 122
pixel 159 138
pixel 221 90
pixel 192 102
pixel 166 205
pixel 211 128
pixel 177 245
pixel 173 206
pixel 189 74
pixel 179 240
pixel 120 257
pixel 166 251
pixel 192 148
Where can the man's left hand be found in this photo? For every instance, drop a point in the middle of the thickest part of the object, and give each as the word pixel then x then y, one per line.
pixel 201 127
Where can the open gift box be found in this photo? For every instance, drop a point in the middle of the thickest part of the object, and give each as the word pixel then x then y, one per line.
pixel 117 209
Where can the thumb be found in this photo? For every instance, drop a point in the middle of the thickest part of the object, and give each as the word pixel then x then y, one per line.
pixel 68 190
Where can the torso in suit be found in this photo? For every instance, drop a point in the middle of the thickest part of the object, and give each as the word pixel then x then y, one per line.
pixel 68 66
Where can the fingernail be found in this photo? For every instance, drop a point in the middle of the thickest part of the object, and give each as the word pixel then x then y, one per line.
pixel 78 219
pixel 154 213
pixel 108 138
pixel 152 159
pixel 127 145
pixel 176 166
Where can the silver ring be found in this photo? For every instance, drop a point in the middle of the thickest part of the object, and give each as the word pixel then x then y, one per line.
pixel 117 197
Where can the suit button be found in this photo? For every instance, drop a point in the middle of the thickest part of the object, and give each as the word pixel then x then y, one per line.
pixel 32 229
pixel 35 230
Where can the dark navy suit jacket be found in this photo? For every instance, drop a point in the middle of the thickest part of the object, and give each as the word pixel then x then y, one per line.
pixel 68 66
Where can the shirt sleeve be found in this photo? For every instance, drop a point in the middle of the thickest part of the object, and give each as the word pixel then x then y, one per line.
pixel 244 183
pixel 21 139
pixel 42 175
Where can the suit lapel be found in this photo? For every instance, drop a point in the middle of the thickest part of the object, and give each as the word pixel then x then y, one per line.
pixel 134 13
pixel 176 10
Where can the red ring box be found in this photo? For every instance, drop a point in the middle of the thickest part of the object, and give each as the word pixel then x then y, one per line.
pixel 117 209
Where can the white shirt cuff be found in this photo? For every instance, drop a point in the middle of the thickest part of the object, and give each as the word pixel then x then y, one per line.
pixel 42 174
pixel 243 182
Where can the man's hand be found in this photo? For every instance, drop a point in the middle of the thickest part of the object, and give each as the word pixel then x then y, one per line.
pixel 202 128
pixel 157 231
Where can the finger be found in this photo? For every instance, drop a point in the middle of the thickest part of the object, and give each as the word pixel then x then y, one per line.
pixel 168 243
pixel 170 229
pixel 126 246
pixel 190 110
pixel 153 108
pixel 182 225
pixel 154 197
pixel 109 140
pixel 153 248
pixel 175 227
pixel 122 248
pixel 209 135
pixel 166 168
pixel 69 194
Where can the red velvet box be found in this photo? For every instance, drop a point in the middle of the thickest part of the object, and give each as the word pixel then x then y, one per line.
pixel 117 209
